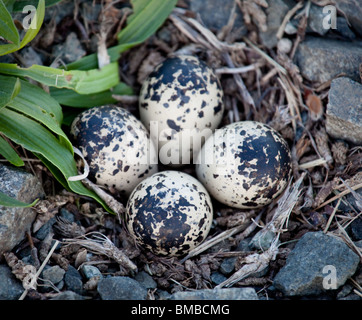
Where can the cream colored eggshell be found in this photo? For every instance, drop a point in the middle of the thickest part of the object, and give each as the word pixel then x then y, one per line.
pixel 169 213
pixel 184 100
pixel 246 164
pixel 116 146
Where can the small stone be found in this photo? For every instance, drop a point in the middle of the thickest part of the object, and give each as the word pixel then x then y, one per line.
pixel 53 274
pixel 45 229
pixel 284 45
pixel 146 280
pixel 314 258
pixel 217 278
pixel 344 30
pixel 71 50
pixel 243 245
pixel 121 288
pixel 353 11
pixel 64 213
pixel 14 222
pixel 262 240
pixel 217 294
pixel 227 266
pixel 73 280
pixel 10 287
pixel 216 14
pixel 89 271
pixel 30 57
pixel 322 59
pixel 275 12
pixel 316 19
pixel 163 295
pixel 356 229
pixel 344 110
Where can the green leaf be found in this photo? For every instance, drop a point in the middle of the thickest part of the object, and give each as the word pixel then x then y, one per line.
pixel 7 27
pixel 8 201
pixel 31 96
pixel 9 31
pixel 35 24
pixel 91 62
pixel 36 138
pixel 83 82
pixel 147 17
pixel 73 99
pixel 9 89
pixel 9 153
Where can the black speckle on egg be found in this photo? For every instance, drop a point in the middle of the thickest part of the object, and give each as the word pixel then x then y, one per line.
pixel 177 92
pixel 253 168
pixel 165 216
pixel 104 135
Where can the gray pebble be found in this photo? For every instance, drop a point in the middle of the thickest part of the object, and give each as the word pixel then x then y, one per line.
pixel 73 280
pixel 344 108
pixel 89 271
pixel 146 280
pixel 54 274
pixel 227 266
pixel 323 59
pixel 14 222
pixel 121 288
pixel 217 278
pixel 217 294
pixel 262 240
pixel 309 266
pixel 10 287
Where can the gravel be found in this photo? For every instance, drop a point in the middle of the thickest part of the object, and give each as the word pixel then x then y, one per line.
pixel 121 288
pixel 14 222
pixel 322 59
pixel 316 257
pixel 217 294
pixel 344 110
pixel 10 287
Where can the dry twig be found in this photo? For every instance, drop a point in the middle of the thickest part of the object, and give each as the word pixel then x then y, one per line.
pixel 256 263
pixel 222 236
pixel 100 244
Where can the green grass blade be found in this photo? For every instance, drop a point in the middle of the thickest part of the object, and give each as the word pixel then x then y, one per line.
pixel 36 138
pixel 9 89
pixel 7 27
pixel 8 201
pixel 32 96
pixel 9 153
pixel 38 105
pixel 147 17
pixel 83 82
pixel 35 24
pixel 72 99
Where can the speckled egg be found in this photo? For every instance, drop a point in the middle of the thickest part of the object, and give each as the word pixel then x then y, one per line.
pixel 181 103
pixel 116 146
pixel 169 213
pixel 245 164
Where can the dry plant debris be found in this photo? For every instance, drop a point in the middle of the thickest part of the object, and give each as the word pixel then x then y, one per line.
pixel 259 84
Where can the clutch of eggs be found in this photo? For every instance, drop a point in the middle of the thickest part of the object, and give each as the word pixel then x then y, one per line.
pixel 116 146
pixel 180 102
pixel 245 164
pixel 169 213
